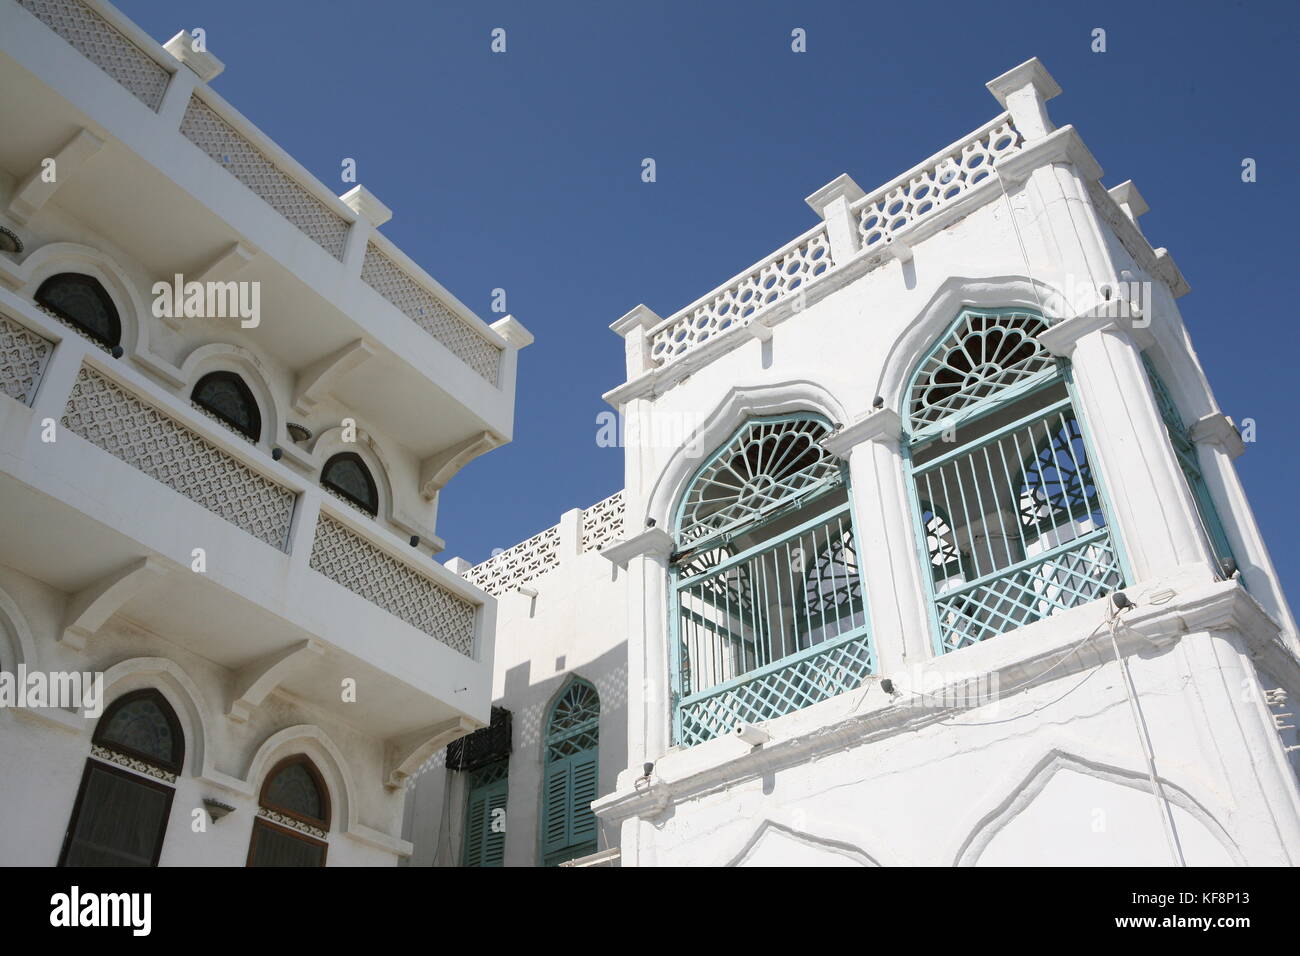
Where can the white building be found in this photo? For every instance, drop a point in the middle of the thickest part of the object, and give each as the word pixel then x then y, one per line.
pixel 229 518
pixel 879 488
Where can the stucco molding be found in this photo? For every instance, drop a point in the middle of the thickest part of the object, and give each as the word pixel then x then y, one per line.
pixel 811 830
pixel 185 697
pixel 1000 806
pixel 405 755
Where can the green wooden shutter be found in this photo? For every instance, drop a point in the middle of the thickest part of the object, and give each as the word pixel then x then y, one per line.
pixel 570 781
pixel 582 825
pixel 485 845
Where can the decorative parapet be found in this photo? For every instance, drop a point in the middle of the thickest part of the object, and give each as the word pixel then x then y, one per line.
pixel 429 312
pixel 349 560
pixel 602 522
pixel 518 565
pixel 599 524
pixel 234 153
pixel 936 183
pixel 23 357
pixel 107 415
pixel 785 272
pixel 105 46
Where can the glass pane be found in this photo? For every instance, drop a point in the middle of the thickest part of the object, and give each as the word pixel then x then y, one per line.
pixel 228 398
pixel 80 300
pixel 273 847
pixel 350 477
pixel 120 821
pixel 293 789
pixel 141 726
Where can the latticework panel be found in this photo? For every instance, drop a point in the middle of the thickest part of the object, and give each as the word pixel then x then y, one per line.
pixel 984 355
pixel 349 560
pixel 423 307
pixel 764 285
pixel 941 183
pixel 834 668
pixel 1061 581
pixel 107 415
pixel 602 522
pixel 509 569
pixel 23 355
pixel 105 46
pixel 209 132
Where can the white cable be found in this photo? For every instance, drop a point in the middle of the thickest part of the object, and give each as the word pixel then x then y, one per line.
pixel 1157 789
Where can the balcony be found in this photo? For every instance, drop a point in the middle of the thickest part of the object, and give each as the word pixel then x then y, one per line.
pixel 143 507
pixel 181 183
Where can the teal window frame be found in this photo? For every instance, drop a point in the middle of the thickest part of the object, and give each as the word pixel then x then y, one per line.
pixel 1052 578
pixel 811 671
pixel 571 775
pixel 487 792
pixel 1180 440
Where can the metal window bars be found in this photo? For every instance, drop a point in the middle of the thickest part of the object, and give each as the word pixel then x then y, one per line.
pixel 769 612
pixel 1011 520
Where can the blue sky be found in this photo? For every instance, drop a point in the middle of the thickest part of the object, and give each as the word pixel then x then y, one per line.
pixel 522 171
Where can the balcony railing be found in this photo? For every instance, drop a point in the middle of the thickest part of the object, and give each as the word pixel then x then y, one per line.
pixel 107 415
pixel 23 356
pixel 273 176
pixel 194 455
pixel 105 46
pixel 349 560
pixel 935 184
pixel 209 132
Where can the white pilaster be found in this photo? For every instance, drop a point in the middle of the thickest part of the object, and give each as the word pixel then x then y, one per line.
pixel 1152 506
pixel 887 552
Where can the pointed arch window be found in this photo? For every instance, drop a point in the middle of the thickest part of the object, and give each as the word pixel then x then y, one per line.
pixel 294 817
pixel 571 777
pixel 769 614
pixel 226 396
pixel 346 475
pixel 1006 508
pixel 83 302
pixel 1185 451
pixel 124 801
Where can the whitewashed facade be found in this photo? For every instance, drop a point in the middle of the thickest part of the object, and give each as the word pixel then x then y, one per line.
pixel 230 518
pixel 963 703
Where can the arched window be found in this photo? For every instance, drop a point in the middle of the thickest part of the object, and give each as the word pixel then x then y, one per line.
pixel 769 614
pixel 347 475
pixel 570 781
pixel 225 395
pixel 125 798
pixel 294 818
pixel 1006 506
pixel 1185 451
pixel 83 302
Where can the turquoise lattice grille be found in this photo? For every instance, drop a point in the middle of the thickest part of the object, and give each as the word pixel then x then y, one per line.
pixel 984 355
pixel 766 465
pixel 1064 579
pixel 1010 518
pixel 769 614
pixel 798 681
